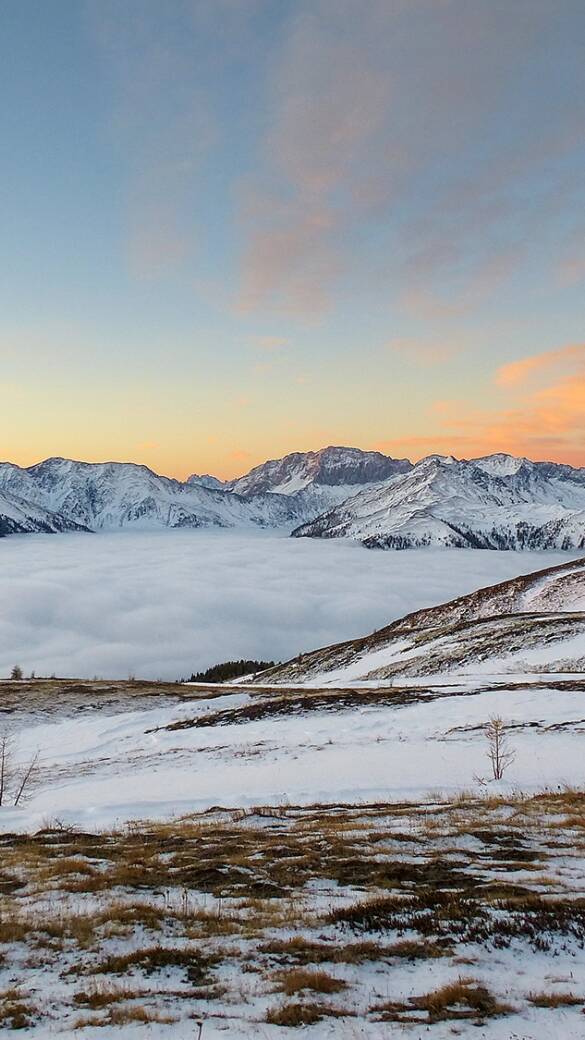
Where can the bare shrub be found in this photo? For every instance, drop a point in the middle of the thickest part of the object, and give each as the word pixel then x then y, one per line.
pixel 499 752
pixel 14 780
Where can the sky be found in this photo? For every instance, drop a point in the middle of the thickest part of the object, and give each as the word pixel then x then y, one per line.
pixel 237 228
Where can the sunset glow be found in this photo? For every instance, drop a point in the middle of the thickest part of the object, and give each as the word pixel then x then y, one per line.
pixel 237 229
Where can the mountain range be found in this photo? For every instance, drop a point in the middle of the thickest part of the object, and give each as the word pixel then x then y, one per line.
pixel 61 494
pixel 497 502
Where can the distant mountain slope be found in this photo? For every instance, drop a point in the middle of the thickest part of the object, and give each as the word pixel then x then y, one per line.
pixel 20 517
pixel 111 495
pixel 533 623
pixel 496 502
pixel 206 480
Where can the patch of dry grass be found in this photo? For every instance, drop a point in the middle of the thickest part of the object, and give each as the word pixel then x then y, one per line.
pixel 555 1000
pixel 102 994
pixel 16 1011
pixel 295 1014
pixel 464 998
pixel 194 962
pixel 124 1016
pixel 299 979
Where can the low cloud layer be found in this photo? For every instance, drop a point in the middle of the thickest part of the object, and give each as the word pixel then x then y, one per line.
pixel 164 604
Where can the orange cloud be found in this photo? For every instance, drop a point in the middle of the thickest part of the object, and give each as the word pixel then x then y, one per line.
pixel 543 422
pixel 289 263
pixel 516 372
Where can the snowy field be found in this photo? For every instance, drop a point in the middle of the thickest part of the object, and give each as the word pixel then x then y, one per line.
pixel 164 604
pixel 240 749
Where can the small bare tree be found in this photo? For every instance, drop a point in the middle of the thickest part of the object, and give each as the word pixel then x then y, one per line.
pixel 24 780
pixel 499 752
pixel 5 764
pixel 14 781
pixel 16 673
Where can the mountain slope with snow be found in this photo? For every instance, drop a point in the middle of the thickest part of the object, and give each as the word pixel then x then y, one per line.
pixel 20 517
pixel 330 467
pixel 110 495
pixel 496 502
pixel 316 481
pixel 534 623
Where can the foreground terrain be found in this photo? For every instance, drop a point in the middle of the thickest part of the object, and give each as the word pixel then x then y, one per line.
pixel 324 846
pixel 462 917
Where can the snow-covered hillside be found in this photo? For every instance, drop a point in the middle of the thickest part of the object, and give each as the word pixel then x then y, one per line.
pixel 532 624
pixel 497 502
pixel 18 516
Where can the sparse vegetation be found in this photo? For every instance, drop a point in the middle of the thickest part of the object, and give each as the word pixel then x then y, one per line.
pixel 555 1000
pixel 16 1011
pixel 300 979
pixel 155 921
pixel 464 998
pixel 15 781
pixel 294 1014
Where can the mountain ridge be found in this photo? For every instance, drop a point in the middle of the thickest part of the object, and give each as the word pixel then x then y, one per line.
pixel 496 501
pixel 109 495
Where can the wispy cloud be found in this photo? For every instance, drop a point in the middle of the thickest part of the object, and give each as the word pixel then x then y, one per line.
pixel 270 343
pixel 413 122
pixel 515 373
pixel 161 64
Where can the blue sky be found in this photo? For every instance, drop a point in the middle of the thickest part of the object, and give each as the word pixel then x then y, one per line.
pixel 237 228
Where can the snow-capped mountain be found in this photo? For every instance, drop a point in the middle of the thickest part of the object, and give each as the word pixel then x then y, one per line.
pixel 315 481
pixel 206 480
pixel 534 623
pixel 332 467
pixel 113 494
pixel 496 502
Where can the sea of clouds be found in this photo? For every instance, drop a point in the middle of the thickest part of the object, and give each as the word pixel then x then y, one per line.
pixel 164 604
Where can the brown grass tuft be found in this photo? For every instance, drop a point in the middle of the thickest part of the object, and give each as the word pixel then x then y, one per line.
pixel 300 979
pixel 294 1015
pixel 555 1000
